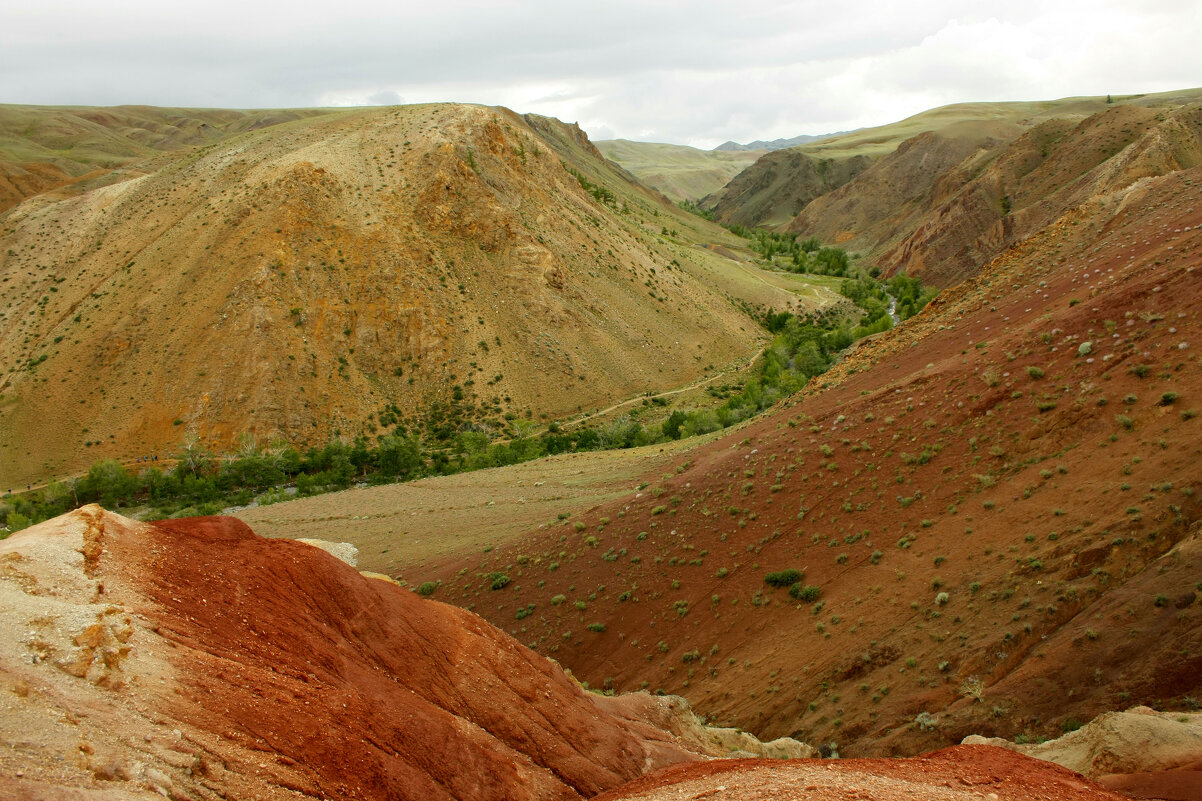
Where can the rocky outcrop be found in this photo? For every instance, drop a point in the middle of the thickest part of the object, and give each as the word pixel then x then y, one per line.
pixel 673 713
pixel 1138 751
pixel 343 551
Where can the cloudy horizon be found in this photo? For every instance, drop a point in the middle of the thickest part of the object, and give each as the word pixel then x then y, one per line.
pixel 696 73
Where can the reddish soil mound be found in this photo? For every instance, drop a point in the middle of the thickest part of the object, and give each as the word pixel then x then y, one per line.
pixel 960 772
pixel 1180 784
pixel 193 657
pixel 998 504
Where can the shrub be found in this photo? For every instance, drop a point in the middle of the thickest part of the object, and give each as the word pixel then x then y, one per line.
pixel 942 598
pixel 426 588
pixel 556 600
pixel 596 627
pixel 783 578
pixel 499 580
pixel 1035 372
pixel 807 593
pixel 925 721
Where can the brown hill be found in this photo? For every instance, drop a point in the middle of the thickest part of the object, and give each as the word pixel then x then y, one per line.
pixel 298 280
pixel 765 194
pixel 762 196
pixel 941 212
pixel 884 202
pixel 196 660
pixel 779 185
pixel 998 504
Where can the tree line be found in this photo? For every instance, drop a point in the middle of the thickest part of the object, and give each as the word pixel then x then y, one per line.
pixel 202 483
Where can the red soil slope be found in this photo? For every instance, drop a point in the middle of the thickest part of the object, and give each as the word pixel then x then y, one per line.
pixel 962 772
pixel 287 675
pixel 191 659
pixel 999 502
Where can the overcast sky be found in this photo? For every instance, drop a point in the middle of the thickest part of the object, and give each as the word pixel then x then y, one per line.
pixel 694 73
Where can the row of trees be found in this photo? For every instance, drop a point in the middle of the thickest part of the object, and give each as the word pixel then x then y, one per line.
pixel 203 483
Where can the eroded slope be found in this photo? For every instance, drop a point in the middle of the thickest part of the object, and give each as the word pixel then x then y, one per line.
pixel 194 659
pixel 998 504
pixel 325 275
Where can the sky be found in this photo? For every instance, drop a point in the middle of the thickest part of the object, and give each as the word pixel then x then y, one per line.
pixel 696 73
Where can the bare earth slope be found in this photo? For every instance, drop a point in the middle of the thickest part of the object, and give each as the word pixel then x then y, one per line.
pixel 891 199
pixel 765 194
pixel 940 212
pixel 297 280
pixel 882 203
pixel 998 503
pixel 780 186
pixel 195 659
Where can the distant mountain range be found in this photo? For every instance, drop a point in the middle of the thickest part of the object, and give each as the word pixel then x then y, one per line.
pixel 779 144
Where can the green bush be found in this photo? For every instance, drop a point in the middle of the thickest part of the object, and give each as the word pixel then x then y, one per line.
pixel 807 593
pixel 426 588
pixel 783 578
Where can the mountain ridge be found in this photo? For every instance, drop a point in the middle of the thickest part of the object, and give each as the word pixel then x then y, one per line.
pixel 779 144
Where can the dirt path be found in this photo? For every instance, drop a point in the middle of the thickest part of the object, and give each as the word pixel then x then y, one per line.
pixel 133 467
pixel 639 398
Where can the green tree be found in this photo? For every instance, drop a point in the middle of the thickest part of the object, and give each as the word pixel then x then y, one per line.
pixel 109 483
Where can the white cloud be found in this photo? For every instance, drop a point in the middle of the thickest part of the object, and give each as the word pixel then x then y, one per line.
pixel 697 72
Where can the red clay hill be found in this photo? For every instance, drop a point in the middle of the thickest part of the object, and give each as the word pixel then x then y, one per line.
pixel 992 511
pixel 192 659
pixel 197 659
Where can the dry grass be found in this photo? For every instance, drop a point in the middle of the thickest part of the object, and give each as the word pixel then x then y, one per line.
pixel 403 528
